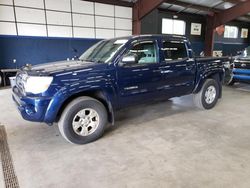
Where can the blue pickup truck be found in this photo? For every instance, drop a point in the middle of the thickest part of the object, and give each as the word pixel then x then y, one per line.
pixel 83 95
pixel 240 68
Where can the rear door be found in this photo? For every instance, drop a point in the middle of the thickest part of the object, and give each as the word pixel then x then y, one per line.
pixel 178 68
pixel 139 82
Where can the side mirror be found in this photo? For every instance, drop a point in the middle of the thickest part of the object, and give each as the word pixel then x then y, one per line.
pixel 129 59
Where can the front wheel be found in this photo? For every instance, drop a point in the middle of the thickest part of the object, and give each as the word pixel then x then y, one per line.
pixel 83 120
pixel 207 97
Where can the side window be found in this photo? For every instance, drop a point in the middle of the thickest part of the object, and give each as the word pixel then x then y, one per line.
pixel 174 50
pixel 145 51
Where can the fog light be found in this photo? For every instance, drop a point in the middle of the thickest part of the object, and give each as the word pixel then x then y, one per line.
pixel 30 109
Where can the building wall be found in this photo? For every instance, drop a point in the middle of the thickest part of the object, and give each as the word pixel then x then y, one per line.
pixel 149 23
pixel 36 50
pixel 231 46
pixel 227 46
pixel 196 40
pixel 37 31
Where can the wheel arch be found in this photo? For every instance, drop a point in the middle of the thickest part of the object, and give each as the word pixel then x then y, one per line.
pixel 96 94
pixel 218 76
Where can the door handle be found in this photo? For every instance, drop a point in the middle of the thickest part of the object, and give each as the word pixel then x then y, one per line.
pixel 166 71
pixel 190 59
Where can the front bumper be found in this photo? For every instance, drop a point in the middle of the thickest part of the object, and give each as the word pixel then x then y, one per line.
pixel 31 108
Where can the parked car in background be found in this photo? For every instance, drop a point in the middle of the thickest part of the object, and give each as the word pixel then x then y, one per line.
pixel 83 95
pixel 239 70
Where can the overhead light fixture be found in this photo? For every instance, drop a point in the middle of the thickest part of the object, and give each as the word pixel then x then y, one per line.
pixel 175 16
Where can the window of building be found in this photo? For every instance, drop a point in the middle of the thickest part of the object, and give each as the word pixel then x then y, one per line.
pixel 172 26
pixel 231 32
pixel 174 50
pixel 244 33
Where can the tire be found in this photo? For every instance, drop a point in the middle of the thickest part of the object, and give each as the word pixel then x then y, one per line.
pixel 200 99
pixel 76 113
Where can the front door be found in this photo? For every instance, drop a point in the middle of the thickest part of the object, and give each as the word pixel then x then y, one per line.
pixel 139 82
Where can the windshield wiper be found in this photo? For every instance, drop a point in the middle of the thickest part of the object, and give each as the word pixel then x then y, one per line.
pixel 91 60
pixel 85 60
pixel 98 61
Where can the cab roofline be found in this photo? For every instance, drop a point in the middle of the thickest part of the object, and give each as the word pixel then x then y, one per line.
pixel 176 37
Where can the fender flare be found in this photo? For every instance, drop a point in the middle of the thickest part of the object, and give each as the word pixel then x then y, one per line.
pixel 64 96
pixel 218 76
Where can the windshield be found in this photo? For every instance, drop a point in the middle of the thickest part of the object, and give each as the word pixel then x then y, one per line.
pixel 103 51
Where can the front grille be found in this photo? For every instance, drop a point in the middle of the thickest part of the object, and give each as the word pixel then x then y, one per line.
pixel 242 64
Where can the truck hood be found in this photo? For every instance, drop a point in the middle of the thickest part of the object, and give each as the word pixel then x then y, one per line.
pixel 57 67
pixel 247 58
pixel 242 57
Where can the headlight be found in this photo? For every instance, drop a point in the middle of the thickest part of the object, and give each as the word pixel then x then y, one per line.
pixel 37 84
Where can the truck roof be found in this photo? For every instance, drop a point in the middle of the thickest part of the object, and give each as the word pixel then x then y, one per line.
pixel 172 37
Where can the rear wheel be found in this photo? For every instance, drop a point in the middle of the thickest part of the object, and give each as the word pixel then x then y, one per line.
pixel 83 120
pixel 207 97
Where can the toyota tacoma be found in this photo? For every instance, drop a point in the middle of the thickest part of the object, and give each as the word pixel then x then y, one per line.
pixel 82 95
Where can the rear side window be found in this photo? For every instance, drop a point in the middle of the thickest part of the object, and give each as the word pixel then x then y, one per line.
pixel 174 50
